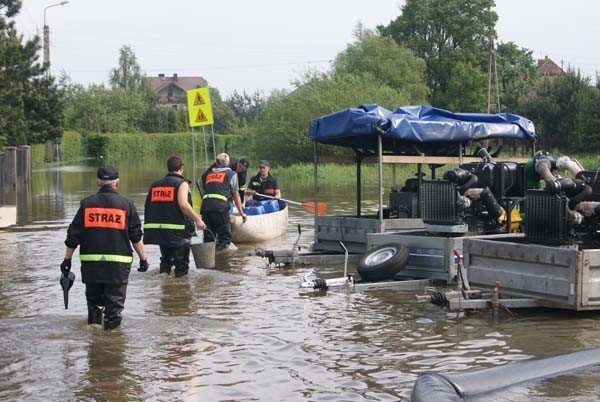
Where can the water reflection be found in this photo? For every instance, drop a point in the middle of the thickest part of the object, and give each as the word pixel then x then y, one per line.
pixel 239 331
pixel 176 296
pixel 107 377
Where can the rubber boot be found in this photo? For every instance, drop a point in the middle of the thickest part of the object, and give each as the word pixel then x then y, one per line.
pixel 95 315
pixel 112 323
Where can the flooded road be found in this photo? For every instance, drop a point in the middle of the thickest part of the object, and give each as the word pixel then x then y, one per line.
pixel 241 332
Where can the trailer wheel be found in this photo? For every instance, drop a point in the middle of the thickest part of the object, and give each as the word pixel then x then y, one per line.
pixel 383 262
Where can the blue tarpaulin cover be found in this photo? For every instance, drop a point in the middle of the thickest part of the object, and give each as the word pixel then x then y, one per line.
pixel 415 129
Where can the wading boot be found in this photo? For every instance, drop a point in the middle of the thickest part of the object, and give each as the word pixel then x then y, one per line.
pixel 95 315
pixel 112 323
pixel 165 269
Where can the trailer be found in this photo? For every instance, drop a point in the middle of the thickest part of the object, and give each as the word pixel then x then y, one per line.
pixel 565 277
pixel 422 215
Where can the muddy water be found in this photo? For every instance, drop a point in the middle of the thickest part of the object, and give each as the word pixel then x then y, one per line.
pixel 241 332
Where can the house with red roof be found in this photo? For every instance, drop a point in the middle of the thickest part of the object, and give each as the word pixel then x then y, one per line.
pixel 548 68
pixel 172 90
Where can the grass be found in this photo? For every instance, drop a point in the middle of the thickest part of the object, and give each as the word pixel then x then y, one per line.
pixel 303 173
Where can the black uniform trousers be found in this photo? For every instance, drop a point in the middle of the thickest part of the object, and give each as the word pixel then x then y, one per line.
pixel 218 222
pixel 107 295
pixel 175 256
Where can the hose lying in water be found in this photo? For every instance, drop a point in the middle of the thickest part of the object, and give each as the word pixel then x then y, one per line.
pixel 455 387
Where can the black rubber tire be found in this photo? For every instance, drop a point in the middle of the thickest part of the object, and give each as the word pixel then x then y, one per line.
pixel 383 262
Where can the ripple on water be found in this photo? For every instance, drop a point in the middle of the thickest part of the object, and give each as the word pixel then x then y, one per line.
pixel 241 333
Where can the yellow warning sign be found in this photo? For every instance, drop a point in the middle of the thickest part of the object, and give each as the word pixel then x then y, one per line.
pixel 199 101
pixel 199 109
pixel 201 117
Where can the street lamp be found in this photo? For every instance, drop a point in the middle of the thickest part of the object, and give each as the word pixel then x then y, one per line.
pixel 47 38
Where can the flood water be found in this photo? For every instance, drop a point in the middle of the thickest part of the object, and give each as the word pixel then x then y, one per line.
pixel 241 332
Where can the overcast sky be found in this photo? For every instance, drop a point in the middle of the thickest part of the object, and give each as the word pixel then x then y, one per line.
pixel 265 44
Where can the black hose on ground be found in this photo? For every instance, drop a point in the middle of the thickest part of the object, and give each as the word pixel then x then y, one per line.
pixel 455 387
pixel 434 387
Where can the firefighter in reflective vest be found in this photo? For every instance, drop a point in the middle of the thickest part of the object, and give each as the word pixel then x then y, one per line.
pixel 104 227
pixel 220 186
pixel 238 166
pixel 169 219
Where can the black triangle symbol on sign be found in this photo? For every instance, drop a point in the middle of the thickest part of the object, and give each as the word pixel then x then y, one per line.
pixel 201 117
pixel 199 100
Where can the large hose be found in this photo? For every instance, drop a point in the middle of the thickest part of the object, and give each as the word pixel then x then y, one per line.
pixel 543 167
pixel 493 207
pixel 455 387
pixel 463 178
pixel 564 163
pixel 584 195
pixel 485 155
pixel 489 200
pixel 576 190
pixel 588 208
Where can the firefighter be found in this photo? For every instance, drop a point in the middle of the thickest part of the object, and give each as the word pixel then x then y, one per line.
pixel 170 218
pixel 240 167
pixel 104 227
pixel 220 186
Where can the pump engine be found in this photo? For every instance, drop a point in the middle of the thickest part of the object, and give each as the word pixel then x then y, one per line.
pixel 567 210
pixel 470 195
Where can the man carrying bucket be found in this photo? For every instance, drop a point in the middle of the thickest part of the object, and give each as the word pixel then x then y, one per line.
pixel 169 219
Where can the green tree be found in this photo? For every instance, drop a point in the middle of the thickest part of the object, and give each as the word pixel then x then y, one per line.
pixel 517 74
pixel 587 123
pixel 225 120
pixel 466 80
pixel 386 61
pixel 281 129
pixel 161 119
pixel 128 74
pixel 445 33
pixel 44 107
pixel 30 107
pixel 245 106
pixel 102 110
pixel 554 108
pixel 371 70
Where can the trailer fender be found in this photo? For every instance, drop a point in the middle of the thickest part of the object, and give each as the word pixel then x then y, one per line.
pixel 383 262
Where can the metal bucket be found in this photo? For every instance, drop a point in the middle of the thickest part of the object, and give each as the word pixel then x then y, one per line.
pixel 204 254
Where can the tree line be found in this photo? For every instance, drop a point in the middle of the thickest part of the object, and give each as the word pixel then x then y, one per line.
pixel 436 52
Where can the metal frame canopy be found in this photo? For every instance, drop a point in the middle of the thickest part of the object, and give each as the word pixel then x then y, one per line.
pixel 411 134
pixel 415 130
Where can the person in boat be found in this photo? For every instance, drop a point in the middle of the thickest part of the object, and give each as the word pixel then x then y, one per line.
pixel 105 226
pixel 170 219
pixel 240 167
pixel 263 183
pixel 220 186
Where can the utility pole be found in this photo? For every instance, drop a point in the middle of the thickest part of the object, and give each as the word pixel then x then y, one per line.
pixel 47 39
pixel 489 76
pixel 46 48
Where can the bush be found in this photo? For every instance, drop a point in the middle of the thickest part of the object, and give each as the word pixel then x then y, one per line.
pixel 116 147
